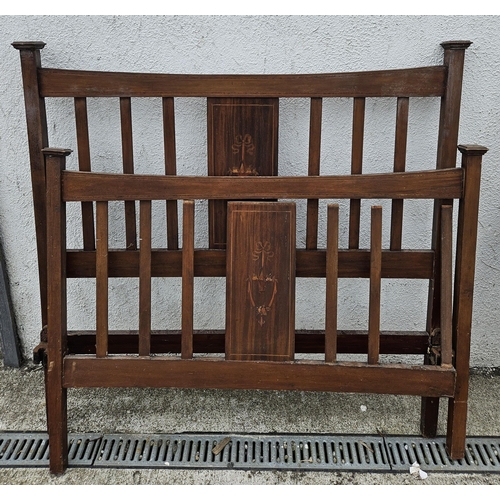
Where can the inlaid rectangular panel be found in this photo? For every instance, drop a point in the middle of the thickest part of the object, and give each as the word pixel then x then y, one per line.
pixel 242 141
pixel 260 304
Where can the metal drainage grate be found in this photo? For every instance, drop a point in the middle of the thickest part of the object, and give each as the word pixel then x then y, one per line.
pixel 20 449
pixel 272 452
pixel 243 452
pixel 482 454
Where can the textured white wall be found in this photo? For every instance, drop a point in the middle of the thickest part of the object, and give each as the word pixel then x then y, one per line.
pixel 214 44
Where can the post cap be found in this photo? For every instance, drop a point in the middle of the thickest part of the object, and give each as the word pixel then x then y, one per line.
pixel 28 45
pixel 472 149
pixel 56 151
pixel 456 44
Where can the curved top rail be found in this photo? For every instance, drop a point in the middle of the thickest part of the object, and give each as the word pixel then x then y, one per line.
pixel 420 82
pixel 429 184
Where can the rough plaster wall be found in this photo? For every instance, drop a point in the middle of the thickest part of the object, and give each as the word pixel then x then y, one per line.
pixel 212 44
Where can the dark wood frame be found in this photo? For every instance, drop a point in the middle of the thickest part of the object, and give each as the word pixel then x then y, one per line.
pixel 97 358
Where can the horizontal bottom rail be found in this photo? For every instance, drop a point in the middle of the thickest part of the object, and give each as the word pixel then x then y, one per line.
pixel 217 373
pixel 213 341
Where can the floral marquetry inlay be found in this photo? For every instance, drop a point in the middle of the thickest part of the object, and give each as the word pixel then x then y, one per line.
pixel 262 285
pixel 242 148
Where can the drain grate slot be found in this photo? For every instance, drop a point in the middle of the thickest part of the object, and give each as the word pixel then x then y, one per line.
pixel 271 452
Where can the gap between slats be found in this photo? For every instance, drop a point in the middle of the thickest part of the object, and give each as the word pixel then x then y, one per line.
pixel 128 168
pixel 170 169
pixel 399 166
pixel 314 168
pixel 358 128
pixel 446 285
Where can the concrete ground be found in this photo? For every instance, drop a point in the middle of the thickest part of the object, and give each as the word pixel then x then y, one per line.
pixel 22 408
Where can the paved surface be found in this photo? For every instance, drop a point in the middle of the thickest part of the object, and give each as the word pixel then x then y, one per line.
pixel 22 408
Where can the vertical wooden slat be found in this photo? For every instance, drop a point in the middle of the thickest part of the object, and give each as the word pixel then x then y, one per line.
pixel 56 397
pixel 446 287
pixel 375 284
pixel 102 279
pixel 170 169
pixel 145 279
pixel 399 166
pixel 358 128
pixel 332 274
pixel 128 168
pixel 187 279
pixel 82 136
pixel 314 165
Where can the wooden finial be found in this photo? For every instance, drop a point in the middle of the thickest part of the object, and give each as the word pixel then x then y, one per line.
pixel 472 149
pixel 456 44
pixel 28 45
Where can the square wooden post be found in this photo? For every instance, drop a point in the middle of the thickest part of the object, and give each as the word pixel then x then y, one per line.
pixel 449 118
pixel 463 294
pixel 57 312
